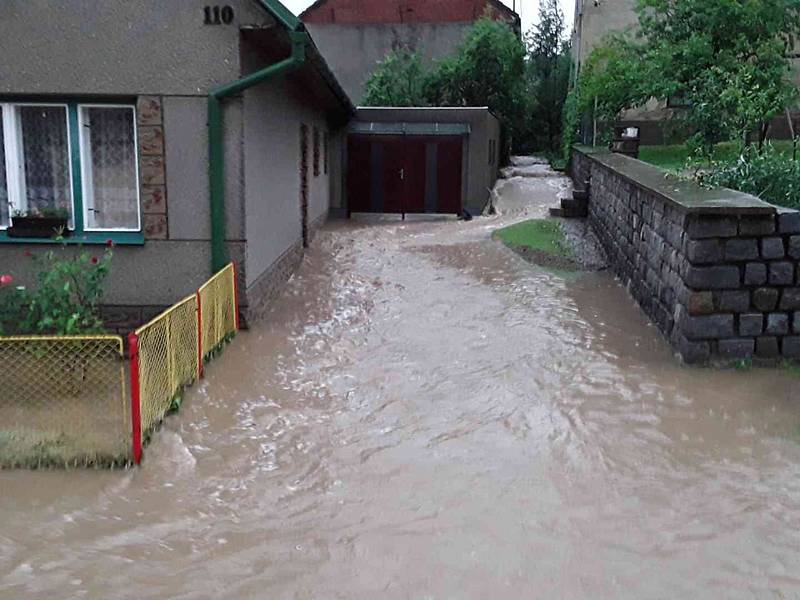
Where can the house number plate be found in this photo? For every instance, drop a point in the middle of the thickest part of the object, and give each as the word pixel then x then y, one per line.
pixel 218 15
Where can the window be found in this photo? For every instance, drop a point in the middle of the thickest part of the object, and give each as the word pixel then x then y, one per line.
pixel 76 159
pixel 109 168
pixel 36 154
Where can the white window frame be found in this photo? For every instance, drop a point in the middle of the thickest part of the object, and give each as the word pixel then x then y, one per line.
pixel 87 193
pixel 15 166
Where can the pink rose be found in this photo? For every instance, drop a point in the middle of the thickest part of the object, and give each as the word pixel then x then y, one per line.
pixel 6 280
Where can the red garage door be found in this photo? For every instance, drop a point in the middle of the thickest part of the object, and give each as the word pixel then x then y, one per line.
pixel 404 174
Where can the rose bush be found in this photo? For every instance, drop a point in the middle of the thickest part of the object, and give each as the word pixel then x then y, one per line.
pixel 66 299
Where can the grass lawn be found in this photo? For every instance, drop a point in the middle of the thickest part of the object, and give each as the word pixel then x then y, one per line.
pixel 539 235
pixel 673 158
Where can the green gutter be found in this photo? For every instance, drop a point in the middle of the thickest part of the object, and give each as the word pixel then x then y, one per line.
pixel 216 150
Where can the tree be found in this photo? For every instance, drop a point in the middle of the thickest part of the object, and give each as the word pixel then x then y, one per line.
pixel 727 59
pixel 547 75
pixel 487 70
pixel 399 80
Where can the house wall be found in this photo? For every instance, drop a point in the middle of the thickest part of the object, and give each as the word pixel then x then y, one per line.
pixel 161 56
pixel 273 114
pixel 479 174
pixel 406 11
pixel 353 51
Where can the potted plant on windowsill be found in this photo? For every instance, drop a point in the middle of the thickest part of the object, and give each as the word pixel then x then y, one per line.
pixel 42 223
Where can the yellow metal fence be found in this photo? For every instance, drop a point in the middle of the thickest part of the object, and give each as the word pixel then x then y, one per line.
pixel 63 402
pixel 168 353
pixel 168 360
pixel 218 311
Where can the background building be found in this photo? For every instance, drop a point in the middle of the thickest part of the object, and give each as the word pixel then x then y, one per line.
pixel 355 35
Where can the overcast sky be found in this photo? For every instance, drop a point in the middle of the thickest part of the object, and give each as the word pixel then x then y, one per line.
pixel 529 9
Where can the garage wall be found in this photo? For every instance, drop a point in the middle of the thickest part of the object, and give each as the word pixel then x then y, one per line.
pixel 480 174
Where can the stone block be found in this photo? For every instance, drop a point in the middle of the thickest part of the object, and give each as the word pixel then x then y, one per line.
pixel 705 251
pixel 151 170
pixel 737 302
pixel 781 273
pixel 693 353
pixel 790 299
pixel 708 327
pixel 151 141
pixel 701 227
pixel 755 274
pixel 751 324
pixel 790 347
pixel 739 249
pixel 154 200
pixel 713 278
pixel 794 246
pixel 737 349
pixel 757 226
pixel 155 227
pixel 772 248
pixel 777 324
pixel 765 299
pixel 767 347
pixel 789 221
pixel 701 303
pixel 148 110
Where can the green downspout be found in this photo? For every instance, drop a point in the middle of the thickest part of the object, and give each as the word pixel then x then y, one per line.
pixel 216 150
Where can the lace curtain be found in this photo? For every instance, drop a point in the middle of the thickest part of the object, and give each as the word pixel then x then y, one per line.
pixel 45 145
pixel 111 188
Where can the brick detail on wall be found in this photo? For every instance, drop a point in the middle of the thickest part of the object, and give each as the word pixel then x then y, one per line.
pixel 263 292
pixel 152 172
pixel 366 12
pixel 124 319
pixel 721 287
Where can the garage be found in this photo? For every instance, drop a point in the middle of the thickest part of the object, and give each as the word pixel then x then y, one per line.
pixel 420 160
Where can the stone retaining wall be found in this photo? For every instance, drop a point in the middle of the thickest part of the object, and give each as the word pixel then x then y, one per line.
pixel 718 271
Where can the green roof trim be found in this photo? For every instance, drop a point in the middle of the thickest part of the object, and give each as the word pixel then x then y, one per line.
pixel 282 14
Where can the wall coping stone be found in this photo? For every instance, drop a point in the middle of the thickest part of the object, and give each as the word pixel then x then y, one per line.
pixel 686 196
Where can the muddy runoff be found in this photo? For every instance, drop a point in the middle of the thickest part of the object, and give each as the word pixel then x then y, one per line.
pixel 426 415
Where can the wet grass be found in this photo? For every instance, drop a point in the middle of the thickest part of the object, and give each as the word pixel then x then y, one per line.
pixel 674 157
pixel 793 369
pixel 538 234
pixel 541 242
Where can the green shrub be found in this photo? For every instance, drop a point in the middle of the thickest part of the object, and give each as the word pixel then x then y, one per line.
pixel 768 174
pixel 66 300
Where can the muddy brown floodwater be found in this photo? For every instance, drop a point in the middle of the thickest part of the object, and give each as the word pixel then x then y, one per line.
pixel 426 415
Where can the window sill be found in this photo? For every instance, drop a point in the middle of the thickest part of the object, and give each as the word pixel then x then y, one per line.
pixel 93 238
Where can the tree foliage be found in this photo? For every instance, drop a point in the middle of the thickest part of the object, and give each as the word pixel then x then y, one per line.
pixel 487 70
pixel 399 80
pixel 726 59
pixel 547 75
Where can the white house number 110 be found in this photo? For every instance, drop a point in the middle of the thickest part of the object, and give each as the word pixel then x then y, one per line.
pixel 218 15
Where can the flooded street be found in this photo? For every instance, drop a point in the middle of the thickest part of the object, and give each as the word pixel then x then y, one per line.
pixel 426 415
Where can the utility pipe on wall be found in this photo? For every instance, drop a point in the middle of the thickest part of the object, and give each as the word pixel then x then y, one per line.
pixel 216 148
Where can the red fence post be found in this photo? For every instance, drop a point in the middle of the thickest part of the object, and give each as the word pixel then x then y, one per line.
pixel 236 295
pixel 200 369
pixel 136 401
